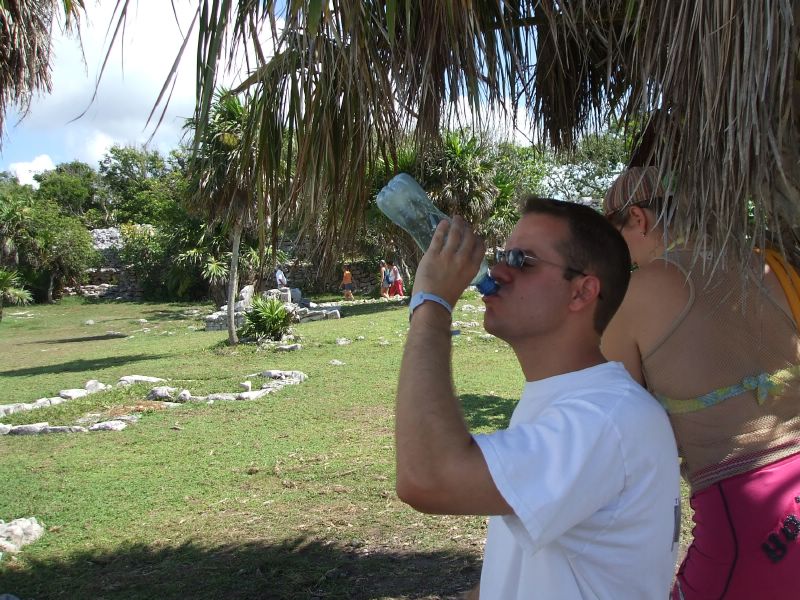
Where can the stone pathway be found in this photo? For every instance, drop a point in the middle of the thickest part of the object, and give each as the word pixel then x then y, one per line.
pixel 168 397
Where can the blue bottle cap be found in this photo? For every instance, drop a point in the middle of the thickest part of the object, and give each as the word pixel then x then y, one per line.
pixel 487 286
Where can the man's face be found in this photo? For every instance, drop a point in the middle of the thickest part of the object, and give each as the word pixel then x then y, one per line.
pixel 533 300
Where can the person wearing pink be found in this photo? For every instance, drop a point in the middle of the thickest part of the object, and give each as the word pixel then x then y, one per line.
pixel 717 345
pixel 396 287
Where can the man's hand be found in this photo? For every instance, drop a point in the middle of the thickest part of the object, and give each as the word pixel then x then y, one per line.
pixel 451 261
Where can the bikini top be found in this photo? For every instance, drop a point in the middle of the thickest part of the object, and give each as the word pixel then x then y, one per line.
pixel 733 339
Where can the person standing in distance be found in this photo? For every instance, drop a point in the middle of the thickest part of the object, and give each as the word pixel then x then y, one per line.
pixel 280 278
pixel 583 486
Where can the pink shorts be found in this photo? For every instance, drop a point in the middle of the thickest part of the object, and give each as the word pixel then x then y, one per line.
pixel 746 537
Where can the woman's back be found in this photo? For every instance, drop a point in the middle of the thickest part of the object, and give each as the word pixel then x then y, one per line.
pixel 726 368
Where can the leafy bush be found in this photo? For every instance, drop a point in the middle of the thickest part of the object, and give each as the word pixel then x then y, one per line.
pixel 268 319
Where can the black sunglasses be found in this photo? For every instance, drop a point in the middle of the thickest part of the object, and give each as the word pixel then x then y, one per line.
pixel 516 258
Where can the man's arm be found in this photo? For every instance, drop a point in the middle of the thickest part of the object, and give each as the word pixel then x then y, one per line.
pixel 440 468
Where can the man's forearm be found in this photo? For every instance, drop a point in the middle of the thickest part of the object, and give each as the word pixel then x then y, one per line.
pixel 430 427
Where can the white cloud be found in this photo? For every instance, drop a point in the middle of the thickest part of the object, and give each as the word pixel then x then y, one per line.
pixel 25 171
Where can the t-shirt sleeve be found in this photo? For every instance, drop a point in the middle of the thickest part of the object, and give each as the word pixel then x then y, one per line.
pixel 557 471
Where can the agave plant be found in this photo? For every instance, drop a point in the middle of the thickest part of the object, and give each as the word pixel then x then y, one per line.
pixel 268 319
pixel 11 289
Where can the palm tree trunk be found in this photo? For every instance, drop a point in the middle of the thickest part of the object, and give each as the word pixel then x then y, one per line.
pixel 233 282
pixel 50 285
pixel 1 307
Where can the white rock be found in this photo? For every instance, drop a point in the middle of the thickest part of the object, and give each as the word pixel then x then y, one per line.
pixel 73 393
pixel 171 404
pixel 41 402
pixel 213 397
pixel 19 533
pixel 332 314
pixel 88 322
pixel 185 396
pixel 246 385
pixel 128 419
pixel 56 400
pixel 141 321
pixel 4 429
pixel 361 338
pixel 336 363
pixel 65 429
pixel 31 429
pixel 113 425
pixel 288 347
pixel 343 341
pixel 93 386
pixel 253 395
pixel 130 379
pixel 161 393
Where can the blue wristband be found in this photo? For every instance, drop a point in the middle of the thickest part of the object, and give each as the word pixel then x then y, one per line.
pixel 421 297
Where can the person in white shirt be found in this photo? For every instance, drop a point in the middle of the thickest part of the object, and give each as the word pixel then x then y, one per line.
pixel 280 278
pixel 583 486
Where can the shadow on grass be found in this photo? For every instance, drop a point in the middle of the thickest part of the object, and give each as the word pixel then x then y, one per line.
pixel 88 338
pixel 487 411
pixel 82 365
pixel 298 568
pixel 176 314
pixel 355 310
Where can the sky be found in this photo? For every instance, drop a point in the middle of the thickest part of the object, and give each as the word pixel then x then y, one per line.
pixel 53 131
pixel 50 135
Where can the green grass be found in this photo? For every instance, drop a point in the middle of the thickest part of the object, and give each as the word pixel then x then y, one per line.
pixel 289 496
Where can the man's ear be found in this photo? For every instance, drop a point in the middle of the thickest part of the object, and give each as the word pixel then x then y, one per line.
pixel 585 291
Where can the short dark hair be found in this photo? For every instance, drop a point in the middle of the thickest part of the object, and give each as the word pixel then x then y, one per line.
pixel 594 246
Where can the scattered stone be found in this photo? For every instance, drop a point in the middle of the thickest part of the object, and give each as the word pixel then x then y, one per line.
pixel 255 394
pixel 31 429
pixel 88 322
pixel 19 533
pixel 161 393
pixel 131 419
pixel 4 429
pixel 141 321
pixel 66 429
pixel 131 379
pixel 465 323
pixel 90 418
pixel 288 347
pixel 361 338
pixel 343 341
pixel 384 343
pixel 224 396
pixel 486 336
pixel 246 385
pixel 73 393
pixel 336 363
pixel 93 386
pixel 171 404
pixel 113 425
pixel 185 396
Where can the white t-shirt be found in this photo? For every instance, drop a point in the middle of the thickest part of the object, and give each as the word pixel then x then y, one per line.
pixel 280 278
pixel 590 467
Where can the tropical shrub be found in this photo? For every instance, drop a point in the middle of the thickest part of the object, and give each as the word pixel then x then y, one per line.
pixel 268 319
pixel 11 289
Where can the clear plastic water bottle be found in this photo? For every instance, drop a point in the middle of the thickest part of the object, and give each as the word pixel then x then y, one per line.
pixel 408 206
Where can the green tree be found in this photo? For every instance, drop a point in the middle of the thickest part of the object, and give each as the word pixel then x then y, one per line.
pixel 133 180
pixel 221 182
pixel 73 187
pixel 16 203
pixel 57 247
